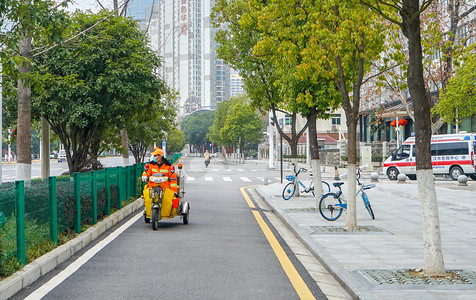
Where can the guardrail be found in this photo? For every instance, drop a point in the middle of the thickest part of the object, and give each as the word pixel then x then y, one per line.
pixel 37 211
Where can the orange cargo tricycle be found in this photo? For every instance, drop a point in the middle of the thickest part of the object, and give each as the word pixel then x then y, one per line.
pixel 162 201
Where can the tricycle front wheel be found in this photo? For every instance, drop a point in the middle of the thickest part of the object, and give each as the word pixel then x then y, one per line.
pixel 155 218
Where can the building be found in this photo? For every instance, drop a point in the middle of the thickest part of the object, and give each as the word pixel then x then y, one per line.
pixel 331 136
pixel 236 84
pixel 383 108
pixel 182 33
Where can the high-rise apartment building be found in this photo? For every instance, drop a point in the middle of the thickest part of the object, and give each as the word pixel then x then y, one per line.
pixel 236 84
pixel 181 32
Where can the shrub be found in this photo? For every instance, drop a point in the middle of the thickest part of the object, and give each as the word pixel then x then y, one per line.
pixel 377 158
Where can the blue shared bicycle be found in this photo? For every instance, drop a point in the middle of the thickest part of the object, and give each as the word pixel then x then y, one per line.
pixel 290 188
pixel 332 204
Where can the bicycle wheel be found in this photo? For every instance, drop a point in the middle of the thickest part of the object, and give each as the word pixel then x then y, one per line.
pixel 330 207
pixel 367 206
pixel 289 190
pixel 325 188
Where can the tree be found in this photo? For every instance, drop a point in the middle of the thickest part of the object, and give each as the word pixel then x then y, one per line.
pixel 406 14
pixel 236 42
pixel 443 38
pixel 459 99
pixel 175 140
pixel 95 82
pixel 242 126
pixel 27 19
pixel 195 128
pixel 224 109
pixel 150 126
pixel 346 63
pixel 286 33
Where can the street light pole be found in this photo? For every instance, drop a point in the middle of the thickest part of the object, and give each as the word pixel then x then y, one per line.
pixel 271 142
pixel 281 152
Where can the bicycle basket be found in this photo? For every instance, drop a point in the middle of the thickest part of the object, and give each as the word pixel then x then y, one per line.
pixel 290 177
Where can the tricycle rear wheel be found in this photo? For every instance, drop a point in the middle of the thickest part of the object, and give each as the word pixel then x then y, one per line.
pixel 185 218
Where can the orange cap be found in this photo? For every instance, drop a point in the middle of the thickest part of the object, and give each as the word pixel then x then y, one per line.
pixel 157 151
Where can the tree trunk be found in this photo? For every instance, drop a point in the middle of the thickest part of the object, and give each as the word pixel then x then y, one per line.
pixel 293 141
pixel 352 113
pixel 125 153
pixel 45 148
pixel 315 160
pixel 24 110
pixel 434 264
pixel 351 217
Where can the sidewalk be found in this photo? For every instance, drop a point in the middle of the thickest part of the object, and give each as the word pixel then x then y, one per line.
pixel 366 262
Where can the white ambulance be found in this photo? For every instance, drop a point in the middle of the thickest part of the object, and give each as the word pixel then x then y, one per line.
pixel 451 154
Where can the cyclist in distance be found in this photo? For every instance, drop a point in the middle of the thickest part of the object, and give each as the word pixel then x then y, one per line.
pixel 207 158
pixel 158 164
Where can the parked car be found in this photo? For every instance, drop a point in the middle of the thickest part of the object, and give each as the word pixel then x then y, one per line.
pixel 62 156
pixel 53 155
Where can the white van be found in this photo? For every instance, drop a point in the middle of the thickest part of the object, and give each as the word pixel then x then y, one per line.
pixel 451 154
pixel 62 155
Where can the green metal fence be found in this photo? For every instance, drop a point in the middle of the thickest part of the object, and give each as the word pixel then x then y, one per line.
pixel 34 213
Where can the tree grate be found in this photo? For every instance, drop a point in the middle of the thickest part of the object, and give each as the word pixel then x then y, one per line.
pixel 414 277
pixel 340 229
pixel 302 209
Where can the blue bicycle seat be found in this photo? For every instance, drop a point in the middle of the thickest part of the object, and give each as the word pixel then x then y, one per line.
pixel 337 184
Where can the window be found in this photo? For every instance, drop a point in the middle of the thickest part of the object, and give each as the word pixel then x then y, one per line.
pixel 288 120
pixel 449 149
pixel 403 152
pixel 336 119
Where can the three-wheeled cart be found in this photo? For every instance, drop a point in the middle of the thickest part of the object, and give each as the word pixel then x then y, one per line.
pixel 163 200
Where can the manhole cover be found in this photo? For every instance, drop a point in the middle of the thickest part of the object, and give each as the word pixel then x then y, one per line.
pixel 407 277
pixel 340 229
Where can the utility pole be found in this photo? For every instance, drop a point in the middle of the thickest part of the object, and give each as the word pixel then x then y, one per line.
pixel 271 142
pixel 308 150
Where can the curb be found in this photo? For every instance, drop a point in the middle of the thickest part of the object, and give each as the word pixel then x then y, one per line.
pixel 354 287
pixel 49 261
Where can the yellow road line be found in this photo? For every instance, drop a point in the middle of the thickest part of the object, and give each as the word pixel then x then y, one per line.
pixel 248 200
pixel 296 280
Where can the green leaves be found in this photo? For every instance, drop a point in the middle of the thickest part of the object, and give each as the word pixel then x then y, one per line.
pixel 459 99
pixel 195 127
pixel 242 124
pixel 100 83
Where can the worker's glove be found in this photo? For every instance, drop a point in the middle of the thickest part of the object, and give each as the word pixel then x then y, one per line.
pixel 145 178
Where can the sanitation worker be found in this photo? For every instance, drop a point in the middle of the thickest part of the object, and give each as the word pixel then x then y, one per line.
pixel 158 164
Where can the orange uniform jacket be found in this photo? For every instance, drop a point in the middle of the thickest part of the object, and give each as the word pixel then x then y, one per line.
pixel 167 170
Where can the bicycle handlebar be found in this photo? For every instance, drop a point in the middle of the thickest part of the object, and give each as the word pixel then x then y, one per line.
pixel 298 171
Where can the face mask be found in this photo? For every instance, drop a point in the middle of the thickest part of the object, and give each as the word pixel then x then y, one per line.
pixel 154 159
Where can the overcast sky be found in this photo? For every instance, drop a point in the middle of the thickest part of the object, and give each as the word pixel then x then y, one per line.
pixel 90 4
